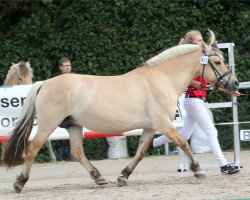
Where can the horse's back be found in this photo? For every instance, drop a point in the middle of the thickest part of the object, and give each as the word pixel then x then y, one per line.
pixel 82 84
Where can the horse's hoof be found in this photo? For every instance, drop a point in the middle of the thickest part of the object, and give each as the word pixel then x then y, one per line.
pixel 17 187
pixel 121 181
pixel 200 175
pixel 101 181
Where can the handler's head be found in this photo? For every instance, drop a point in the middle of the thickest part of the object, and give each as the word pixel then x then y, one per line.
pixel 192 37
pixel 65 65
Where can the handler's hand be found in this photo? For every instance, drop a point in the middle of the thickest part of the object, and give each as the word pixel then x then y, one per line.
pixel 235 94
pixel 196 84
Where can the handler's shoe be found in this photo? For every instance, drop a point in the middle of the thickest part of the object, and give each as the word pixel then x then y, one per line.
pixel 229 170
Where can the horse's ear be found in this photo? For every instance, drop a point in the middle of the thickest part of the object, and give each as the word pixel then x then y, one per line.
pixel 27 63
pixel 213 41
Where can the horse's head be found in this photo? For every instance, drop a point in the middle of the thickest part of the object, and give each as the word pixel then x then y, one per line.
pixel 214 69
pixel 25 73
pixel 19 74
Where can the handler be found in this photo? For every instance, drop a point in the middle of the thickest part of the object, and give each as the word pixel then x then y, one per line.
pixel 196 113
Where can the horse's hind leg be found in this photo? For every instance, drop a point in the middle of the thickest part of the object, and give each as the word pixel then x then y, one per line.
pixel 173 135
pixel 144 143
pixel 51 153
pixel 32 150
pixel 76 149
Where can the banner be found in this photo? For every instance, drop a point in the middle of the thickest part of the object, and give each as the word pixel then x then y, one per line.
pixel 12 99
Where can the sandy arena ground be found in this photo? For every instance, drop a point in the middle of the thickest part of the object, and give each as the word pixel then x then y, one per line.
pixel 154 178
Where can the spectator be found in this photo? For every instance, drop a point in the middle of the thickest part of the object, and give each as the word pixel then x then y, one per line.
pixel 65 67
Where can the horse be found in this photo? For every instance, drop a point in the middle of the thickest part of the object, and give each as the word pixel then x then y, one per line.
pixel 144 98
pixel 21 74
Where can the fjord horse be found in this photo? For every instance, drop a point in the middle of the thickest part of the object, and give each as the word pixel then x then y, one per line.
pixel 21 74
pixel 144 98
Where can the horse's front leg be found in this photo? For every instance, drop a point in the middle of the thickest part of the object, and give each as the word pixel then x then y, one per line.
pixel 144 143
pixel 173 135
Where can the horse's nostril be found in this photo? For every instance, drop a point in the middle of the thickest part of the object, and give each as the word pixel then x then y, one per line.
pixel 236 83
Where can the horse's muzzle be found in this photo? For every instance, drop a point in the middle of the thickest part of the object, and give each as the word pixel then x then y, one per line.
pixel 232 85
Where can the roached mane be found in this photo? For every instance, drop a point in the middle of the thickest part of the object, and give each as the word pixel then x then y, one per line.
pixel 170 53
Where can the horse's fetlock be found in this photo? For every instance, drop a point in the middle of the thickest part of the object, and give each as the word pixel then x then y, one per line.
pixel 95 174
pixel 22 179
pixel 195 166
pixel 126 172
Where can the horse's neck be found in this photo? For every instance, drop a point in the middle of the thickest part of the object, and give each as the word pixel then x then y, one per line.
pixel 11 77
pixel 182 70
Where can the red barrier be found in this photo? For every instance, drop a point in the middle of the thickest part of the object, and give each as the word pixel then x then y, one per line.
pixel 87 134
pixel 4 138
pixel 92 134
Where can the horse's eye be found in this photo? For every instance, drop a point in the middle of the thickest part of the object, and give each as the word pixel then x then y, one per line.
pixel 217 62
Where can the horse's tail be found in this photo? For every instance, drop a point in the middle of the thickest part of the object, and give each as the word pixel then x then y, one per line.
pixel 17 145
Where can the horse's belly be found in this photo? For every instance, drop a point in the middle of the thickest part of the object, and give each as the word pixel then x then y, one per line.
pixel 111 124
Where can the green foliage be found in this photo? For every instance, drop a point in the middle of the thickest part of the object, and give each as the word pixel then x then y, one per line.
pixel 111 37
pixel 95 149
pixel 132 144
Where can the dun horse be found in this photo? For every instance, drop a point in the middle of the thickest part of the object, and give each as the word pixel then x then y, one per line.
pixel 144 98
pixel 21 74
